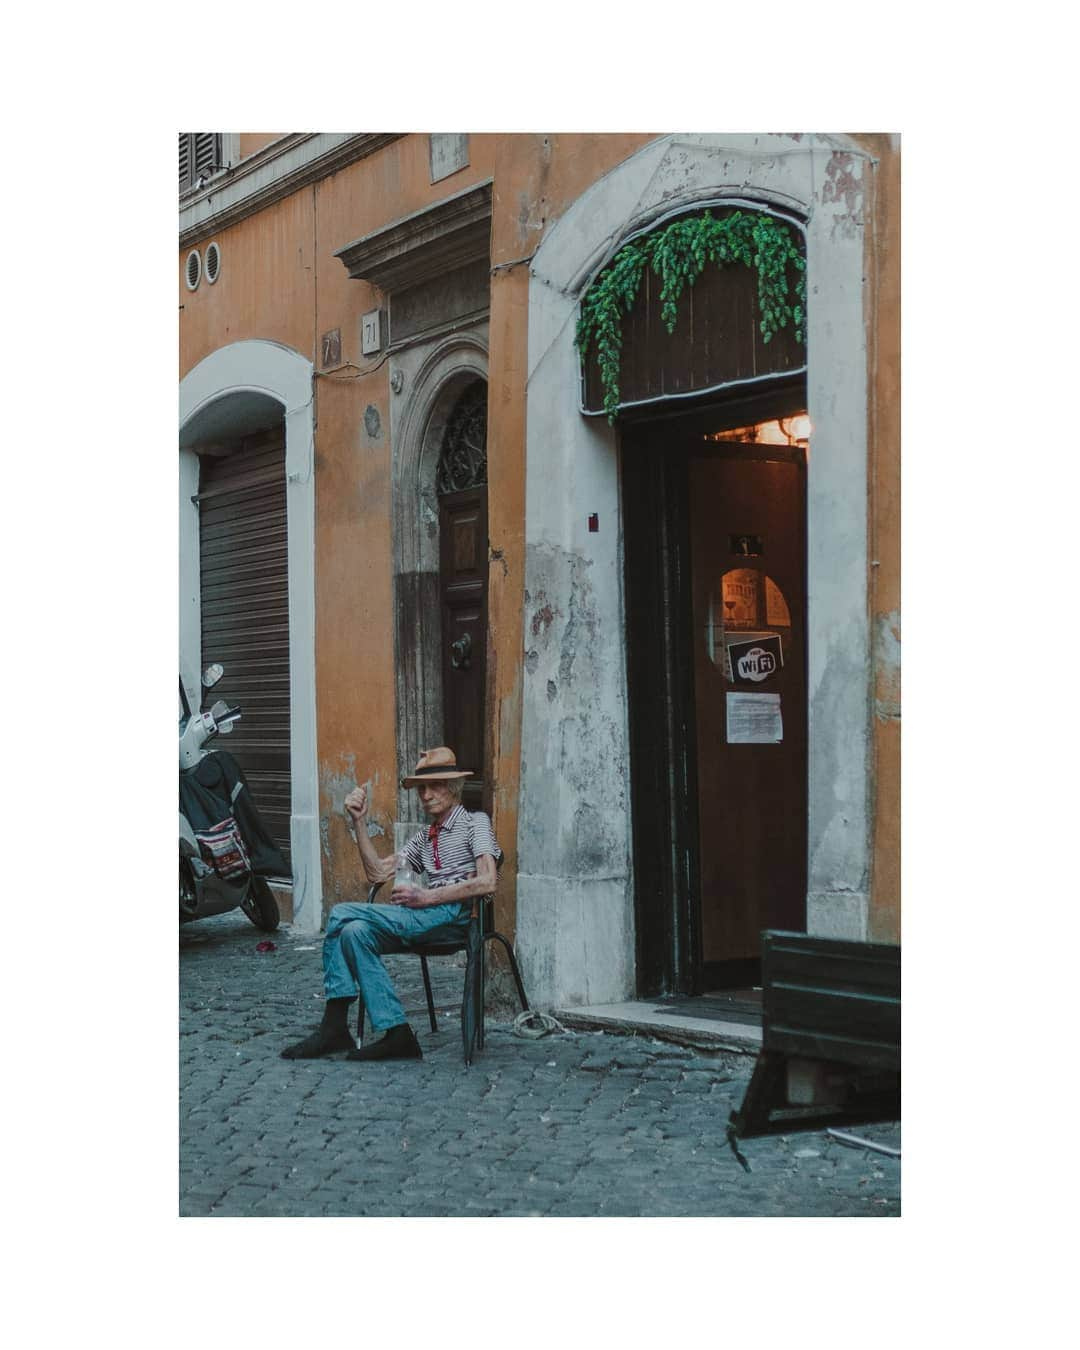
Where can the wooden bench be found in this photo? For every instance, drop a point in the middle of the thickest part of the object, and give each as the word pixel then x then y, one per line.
pixel 830 1048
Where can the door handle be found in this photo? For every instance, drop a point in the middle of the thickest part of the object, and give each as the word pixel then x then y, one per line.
pixel 461 652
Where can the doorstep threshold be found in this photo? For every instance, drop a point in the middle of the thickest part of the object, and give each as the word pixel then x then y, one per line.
pixel 642 1018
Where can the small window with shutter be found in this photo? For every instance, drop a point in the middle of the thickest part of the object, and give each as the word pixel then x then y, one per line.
pixel 200 156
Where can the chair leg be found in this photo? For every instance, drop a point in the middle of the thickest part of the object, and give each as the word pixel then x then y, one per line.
pixel 480 987
pixel 474 946
pixel 513 967
pixel 427 991
pixel 468 1005
pixel 360 1017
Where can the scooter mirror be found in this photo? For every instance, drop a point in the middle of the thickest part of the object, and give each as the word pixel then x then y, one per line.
pixel 217 712
pixel 212 674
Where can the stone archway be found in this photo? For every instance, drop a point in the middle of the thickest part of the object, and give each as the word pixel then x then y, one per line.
pixel 232 391
pixel 433 379
pixel 575 923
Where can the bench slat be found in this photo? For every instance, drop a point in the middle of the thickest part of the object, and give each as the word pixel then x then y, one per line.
pixel 831 999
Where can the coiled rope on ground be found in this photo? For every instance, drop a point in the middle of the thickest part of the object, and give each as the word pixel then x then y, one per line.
pixel 532 1024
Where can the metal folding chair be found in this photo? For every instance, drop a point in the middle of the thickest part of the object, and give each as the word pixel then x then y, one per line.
pixel 472 943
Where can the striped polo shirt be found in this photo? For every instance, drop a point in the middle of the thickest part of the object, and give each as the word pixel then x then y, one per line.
pixel 463 837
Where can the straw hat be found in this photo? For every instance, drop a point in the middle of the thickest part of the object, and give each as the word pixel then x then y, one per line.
pixel 435 766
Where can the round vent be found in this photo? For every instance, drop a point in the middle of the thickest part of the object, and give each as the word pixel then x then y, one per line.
pixel 213 263
pixel 193 269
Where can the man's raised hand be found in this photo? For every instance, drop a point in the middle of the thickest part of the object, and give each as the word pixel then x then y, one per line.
pixel 356 804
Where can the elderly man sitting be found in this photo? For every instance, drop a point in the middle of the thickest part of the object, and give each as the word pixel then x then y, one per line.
pixel 459 853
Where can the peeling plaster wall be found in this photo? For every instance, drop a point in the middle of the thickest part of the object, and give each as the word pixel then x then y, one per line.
pixel 884 917
pixel 883 278
pixel 345 880
pixel 839 656
pixel 575 920
pixel 575 901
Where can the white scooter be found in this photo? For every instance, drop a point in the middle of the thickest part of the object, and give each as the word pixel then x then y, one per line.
pixel 216 872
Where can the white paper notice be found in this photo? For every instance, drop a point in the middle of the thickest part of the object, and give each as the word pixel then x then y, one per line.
pixel 754 719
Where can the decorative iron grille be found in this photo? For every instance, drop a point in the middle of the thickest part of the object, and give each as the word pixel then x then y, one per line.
pixel 463 460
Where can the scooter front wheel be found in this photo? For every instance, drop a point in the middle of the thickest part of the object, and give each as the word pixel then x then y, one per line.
pixel 260 905
pixel 189 900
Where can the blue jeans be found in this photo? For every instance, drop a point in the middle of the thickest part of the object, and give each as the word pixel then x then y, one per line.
pixel 358 934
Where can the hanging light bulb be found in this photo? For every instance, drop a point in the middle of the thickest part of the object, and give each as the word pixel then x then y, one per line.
pixel 797 428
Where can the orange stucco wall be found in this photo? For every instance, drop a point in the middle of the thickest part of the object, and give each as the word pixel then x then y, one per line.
pixel 280 281
pixel 250 141
pixel 266 287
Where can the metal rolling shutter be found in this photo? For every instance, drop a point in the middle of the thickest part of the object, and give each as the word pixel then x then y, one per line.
pixel 243 557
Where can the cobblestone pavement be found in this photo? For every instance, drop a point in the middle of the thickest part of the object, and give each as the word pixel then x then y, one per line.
pixel 571 1125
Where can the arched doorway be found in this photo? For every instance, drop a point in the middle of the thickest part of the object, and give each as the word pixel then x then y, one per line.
pixel 461 485
pixel 439 379
pixel 714 502
pixel 575 882
pixel 241 390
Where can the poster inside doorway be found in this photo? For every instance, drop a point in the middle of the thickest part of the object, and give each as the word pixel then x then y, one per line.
pixel 754 719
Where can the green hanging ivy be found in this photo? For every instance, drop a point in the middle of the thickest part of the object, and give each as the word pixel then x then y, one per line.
pixel 678 254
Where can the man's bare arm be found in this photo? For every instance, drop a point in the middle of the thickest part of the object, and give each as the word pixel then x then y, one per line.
pixel 418 897
pixel 376 869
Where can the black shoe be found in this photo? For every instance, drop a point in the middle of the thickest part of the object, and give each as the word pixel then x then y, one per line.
pixel 399 1043
pixel 319 1043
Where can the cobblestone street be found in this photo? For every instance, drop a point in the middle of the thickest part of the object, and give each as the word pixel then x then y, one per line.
pixel 567 1125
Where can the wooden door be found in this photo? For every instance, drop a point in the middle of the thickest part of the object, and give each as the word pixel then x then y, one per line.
pixel 746 524
pixel 463 546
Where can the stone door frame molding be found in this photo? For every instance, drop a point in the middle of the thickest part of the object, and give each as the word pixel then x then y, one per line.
pixel 575 921
pixel 228 388
pixel 432 376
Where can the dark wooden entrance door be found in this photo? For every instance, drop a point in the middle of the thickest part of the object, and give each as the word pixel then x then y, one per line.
pixel 748 633
pixel 715 541
pixel 463 545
